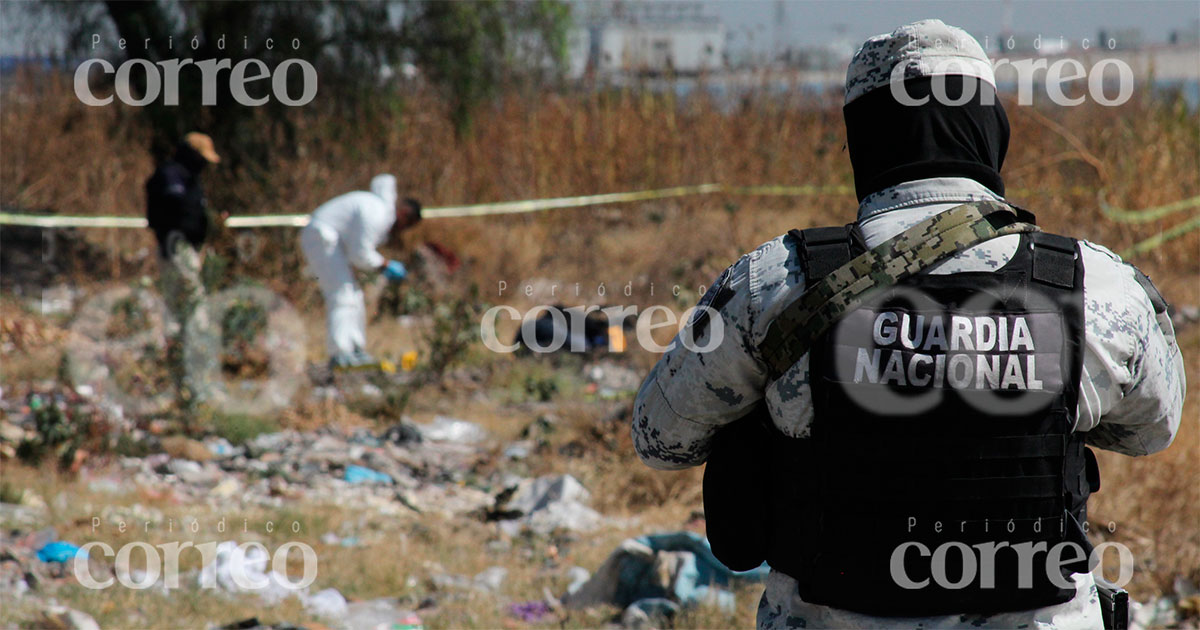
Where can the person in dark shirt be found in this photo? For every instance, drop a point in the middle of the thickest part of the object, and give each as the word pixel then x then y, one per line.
pixel 174 199
pixel 176 213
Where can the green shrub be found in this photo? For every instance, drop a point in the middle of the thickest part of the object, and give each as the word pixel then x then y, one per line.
pixel 240 428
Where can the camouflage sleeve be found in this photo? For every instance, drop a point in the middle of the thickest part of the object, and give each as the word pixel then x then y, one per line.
pixel 699 386
pixel 1131 399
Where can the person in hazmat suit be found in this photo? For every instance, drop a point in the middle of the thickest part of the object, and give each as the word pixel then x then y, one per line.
pixel 343 235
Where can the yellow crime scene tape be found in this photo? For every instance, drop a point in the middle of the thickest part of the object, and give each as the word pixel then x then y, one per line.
pixel 62 221
pixel 538 205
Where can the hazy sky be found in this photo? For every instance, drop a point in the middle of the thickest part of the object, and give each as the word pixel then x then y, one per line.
pixel 818 22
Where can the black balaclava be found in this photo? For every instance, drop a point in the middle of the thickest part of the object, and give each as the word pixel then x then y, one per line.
pixel 891 143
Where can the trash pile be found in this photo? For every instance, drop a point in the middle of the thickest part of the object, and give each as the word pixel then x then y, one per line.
pixel 441 468
pixel 448 467
pixel 58 423
pixel 33 564
pixel 394 472
pixel 652 577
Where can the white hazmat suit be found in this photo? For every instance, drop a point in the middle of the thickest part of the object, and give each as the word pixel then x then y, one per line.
pixel 345 231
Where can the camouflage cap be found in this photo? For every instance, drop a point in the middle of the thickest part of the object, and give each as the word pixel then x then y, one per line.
pixel 920 49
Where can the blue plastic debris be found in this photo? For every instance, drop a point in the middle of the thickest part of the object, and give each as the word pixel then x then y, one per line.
pixel 629 576
pixel 362 474
pixel 57 551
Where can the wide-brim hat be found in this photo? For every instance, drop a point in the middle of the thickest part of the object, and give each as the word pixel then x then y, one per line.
pixel 203 145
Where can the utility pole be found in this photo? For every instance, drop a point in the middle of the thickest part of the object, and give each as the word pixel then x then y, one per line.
pixel 777 34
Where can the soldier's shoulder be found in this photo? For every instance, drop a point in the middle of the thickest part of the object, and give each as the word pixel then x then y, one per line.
pixel 1102 266
pixel 773 261
pixel 774 274
pixel 1098 252
pixel 1109 278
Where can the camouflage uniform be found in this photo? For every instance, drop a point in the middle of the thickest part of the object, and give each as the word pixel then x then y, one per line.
pixel 183 292
pixel 176 212
pixel 921 49
pixel 1131 395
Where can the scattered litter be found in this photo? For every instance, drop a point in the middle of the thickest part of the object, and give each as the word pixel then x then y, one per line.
pixel 362 474
pixel 578 576
pixel 549 503
pixel 1158 613
pixel 227 488
pixel 491 579
pixel 678 567
pixel 439 468
pixel 250 565
pixel 445 582
pixel 379 613
pixel 57 551
pixel 254 624
pixel 192 472
pixel 530 612
pixel 403 432
pixel 538 494
pixel 326 603
pixel 444 429
pixel 651 612
pixel 58 300
pixel 330 538
pixel 221 448
pixel 63 618
pixel 10 432
pixel 518 450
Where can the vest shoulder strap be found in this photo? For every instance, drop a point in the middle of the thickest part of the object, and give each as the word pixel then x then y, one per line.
pixel 846 285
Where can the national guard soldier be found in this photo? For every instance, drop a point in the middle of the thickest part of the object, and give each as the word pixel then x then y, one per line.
pixel 930 375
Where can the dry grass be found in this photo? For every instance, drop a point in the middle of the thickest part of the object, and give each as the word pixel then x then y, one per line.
pixel 63 157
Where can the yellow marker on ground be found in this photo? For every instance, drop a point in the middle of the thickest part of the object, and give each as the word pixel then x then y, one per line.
pixel 408 360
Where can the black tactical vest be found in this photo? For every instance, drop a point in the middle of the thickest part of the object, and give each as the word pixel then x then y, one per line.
pixel 942 441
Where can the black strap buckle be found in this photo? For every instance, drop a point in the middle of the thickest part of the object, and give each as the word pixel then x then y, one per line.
pixel 822 250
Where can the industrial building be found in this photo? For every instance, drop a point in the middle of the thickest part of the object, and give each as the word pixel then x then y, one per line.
pixel 647 39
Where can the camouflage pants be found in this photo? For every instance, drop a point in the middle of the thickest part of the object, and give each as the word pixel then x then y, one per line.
pixel 183 292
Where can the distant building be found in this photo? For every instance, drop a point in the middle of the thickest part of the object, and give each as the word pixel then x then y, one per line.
pixel 649 39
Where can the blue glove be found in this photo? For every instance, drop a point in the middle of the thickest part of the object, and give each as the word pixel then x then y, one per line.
pixel 394 271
